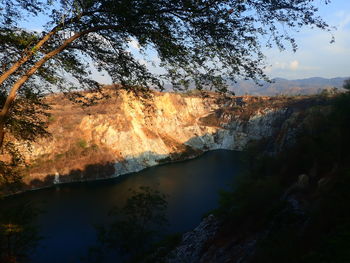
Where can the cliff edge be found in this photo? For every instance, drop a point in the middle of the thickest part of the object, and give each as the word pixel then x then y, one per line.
pixel 127 133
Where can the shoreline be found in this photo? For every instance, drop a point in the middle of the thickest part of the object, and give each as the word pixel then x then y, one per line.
pixel 115 177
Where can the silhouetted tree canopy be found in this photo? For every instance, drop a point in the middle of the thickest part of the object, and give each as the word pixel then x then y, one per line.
pixel 199 42
pixel 135 225
pixel 19 234
pixel 196 40
pixel 346 84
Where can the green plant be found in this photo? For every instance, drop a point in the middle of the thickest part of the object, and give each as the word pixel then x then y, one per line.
pixel 137 223
pixel 18 232
pixel 193 47
pixel 257 203
pixel 51 119
pixel 159 250
pixel 94 147
pixel 346 84
pixel 82 143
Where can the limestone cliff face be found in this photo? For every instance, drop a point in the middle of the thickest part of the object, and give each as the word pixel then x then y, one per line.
pixel 126 134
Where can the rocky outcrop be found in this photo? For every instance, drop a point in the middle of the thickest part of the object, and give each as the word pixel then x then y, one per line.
pixel 193 242
pixel 208 242
pixel 127 133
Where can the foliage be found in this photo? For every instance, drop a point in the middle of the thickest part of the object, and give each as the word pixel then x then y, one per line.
pixel 159 250
pixel 137 223
pixel 10 175
pixel 347 84
pixel 18 234
pixel 254 196
pixel 321 232
pixel 26 123
pixel 28 116
pixel 82 143
pixel 197 42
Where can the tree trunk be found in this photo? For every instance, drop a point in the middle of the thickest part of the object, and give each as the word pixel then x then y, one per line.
pixel 4 112
pixel 29 54
pixel 24 59
pixel 11 97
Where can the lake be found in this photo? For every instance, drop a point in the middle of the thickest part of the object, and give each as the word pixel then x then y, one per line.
pixel 72 210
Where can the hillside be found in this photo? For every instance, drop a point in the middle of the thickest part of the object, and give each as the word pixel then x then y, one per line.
pixel 290 207
pixel 278 86
pixel 127 133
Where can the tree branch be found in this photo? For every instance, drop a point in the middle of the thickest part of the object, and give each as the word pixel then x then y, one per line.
pixel 18 84
pixel 33 50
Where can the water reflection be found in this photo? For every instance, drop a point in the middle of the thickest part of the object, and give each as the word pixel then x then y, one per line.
pixel 72 210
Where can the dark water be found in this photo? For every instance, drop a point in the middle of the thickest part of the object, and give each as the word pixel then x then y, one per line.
pixel 73 209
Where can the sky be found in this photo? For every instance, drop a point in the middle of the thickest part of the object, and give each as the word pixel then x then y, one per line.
pixel 315 57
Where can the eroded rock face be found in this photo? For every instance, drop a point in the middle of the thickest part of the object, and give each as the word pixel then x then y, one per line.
pixel 126 134
pixel 193 242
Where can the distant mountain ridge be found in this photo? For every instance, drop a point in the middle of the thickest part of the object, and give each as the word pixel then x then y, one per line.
pixel 278 86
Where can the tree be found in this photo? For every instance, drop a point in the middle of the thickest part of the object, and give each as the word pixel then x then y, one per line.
pixel 137 223
pixel 346 84
pixel 26 123
pixel 198 41
pixel 19 235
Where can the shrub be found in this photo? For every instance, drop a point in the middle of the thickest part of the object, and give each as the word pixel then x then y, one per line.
pixel 346 84
pixel 51 119
pixel 257 202
pixel 82 143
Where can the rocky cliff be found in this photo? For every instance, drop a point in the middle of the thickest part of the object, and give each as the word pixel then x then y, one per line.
pixel 291 206
pixel 127 133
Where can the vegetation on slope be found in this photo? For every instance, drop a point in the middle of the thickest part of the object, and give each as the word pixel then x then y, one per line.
pixel 296 204
pixel 19 234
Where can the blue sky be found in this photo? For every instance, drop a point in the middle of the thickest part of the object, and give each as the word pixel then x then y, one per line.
pixel 316 56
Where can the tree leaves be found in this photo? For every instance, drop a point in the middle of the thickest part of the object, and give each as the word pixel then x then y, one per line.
pixel 137 223
pixel 200 44
pixel 192 38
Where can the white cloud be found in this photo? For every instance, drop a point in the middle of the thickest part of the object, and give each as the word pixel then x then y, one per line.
pixel 134 44
pixel 279 65
pixel 316 56
pixel 294 65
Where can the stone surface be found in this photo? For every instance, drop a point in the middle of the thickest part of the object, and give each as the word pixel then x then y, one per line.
pixel 192 243
pixel 303 181
pixel 127 134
